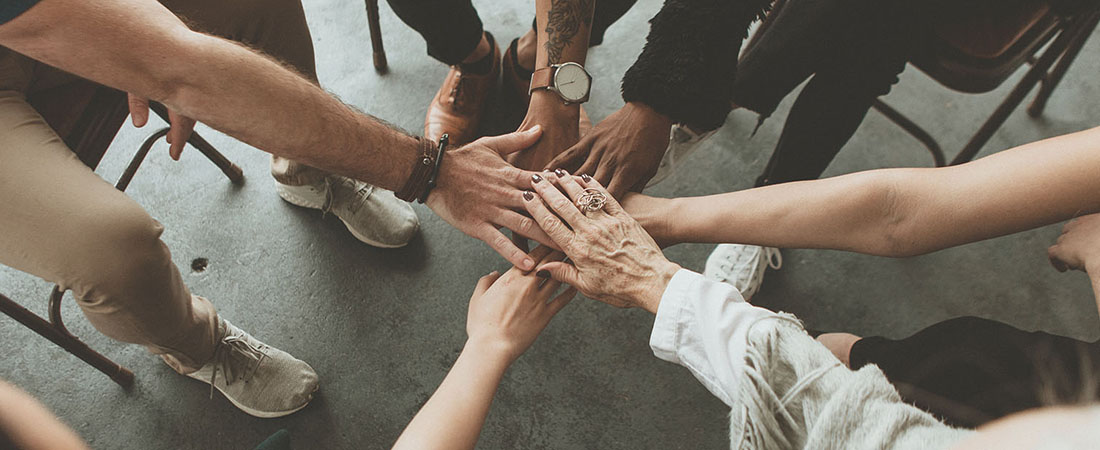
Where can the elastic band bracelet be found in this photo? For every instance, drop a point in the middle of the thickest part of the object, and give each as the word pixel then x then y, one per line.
pixel 438 163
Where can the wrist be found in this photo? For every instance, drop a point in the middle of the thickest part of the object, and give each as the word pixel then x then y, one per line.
pixel 548 103
pixel 491 351
pixel 648 114
pixel 649 298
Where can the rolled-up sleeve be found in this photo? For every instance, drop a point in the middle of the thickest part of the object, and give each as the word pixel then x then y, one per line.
pixel 703 325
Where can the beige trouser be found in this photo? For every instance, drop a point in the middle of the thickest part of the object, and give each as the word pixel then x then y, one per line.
pixel 61 222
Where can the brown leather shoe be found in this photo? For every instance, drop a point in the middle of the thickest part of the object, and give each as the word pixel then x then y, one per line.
pixel 517 90
pixel 459 105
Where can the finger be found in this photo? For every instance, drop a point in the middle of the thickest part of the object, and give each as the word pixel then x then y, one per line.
pixel 505 248
pixel 568 184
pixel 542 253
pixel 619 185
pixel 612 206
pixel 513 142
pixel 524 228
pixel 573 157
pixel 181 130
pixel 559 203
pixel 485 282
pixel 551 285
pixel 561 300
pixel 139 110
pixel 1056 259
pixel 604 173
pixel 550 224
pixel 561 271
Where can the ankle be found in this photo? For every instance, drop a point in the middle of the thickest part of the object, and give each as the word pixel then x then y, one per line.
pixel 526 50
pixel 482 50
pixel 480 62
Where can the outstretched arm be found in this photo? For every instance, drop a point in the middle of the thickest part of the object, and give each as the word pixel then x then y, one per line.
pixel 895 212
pixel 507 313
pixel 140 47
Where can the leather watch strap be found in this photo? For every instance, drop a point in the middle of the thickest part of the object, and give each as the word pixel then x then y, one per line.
pixel 422 170
pixel 541 78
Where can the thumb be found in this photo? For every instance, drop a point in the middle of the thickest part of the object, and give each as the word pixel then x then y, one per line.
pixel 561 271
pixel 139 110
pixel 513 142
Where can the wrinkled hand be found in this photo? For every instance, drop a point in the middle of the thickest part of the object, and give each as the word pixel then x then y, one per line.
pixel 623 151
pixel 181 126
pixel 560 125
pixel 478 192
pixel 1078 247
pixel 612 259
pixel 507 312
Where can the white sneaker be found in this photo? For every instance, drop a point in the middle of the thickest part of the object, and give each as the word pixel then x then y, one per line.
pixel 681 143
pixel 743 266
pixel 373 215
pixel 259 379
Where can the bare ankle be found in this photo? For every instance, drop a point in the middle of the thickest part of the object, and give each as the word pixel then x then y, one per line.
pixel 480 51
pixel 526 50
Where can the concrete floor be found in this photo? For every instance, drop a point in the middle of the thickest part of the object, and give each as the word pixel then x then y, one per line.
pixel 382 327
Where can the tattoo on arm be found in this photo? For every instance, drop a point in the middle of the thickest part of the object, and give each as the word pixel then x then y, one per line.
pixel 563 24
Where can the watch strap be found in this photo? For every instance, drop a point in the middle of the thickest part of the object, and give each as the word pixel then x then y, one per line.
pixel 542 78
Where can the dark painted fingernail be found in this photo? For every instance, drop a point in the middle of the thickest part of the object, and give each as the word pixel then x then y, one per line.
pixel 560 173
pixel 542 274
pixel 536 178
pixel 586 178
pixel 528 195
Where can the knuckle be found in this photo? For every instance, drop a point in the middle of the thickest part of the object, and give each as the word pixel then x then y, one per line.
pixel 525 224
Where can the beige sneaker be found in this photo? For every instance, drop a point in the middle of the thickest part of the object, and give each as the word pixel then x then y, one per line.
pixel 373 215
pixel 259 379
pixel 743 266
pixel 682 141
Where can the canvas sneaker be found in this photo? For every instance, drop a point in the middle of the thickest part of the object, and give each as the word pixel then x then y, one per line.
pixel 743 266
pixel 373 215
pixel 259 379
pixel 682 141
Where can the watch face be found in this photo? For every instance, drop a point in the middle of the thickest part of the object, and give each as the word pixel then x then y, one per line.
pixel 572 82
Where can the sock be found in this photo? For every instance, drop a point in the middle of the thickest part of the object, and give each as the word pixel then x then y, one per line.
pixel 520 70
pixel 484 65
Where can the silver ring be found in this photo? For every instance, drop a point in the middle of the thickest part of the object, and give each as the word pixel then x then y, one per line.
pixel 591 200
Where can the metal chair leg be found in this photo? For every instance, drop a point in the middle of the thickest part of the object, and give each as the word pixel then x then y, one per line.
pixel 55 331
pixel 1000 115
pixel 231 171
pixel 1050 82
pixel 913 129
pixel 380 64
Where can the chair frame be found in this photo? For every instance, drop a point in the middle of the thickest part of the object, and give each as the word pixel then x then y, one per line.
pixel 378 50
pixel 91 136
pixel 1069 36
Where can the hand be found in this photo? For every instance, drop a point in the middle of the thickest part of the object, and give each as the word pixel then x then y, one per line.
pixel 181 126
pixel 1078 247
pixel 560 124
pixel 612 258
pixel 654 214
pixel 478 192
pixel 507 312
pixel 623 151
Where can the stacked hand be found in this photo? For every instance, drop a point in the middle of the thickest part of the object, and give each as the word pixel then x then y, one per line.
pixel 560 130
pixel 507 312
pixel 623 151
pixel 478 192
pixel 611 258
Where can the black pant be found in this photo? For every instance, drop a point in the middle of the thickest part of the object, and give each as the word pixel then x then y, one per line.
pixel 970 370
pixel 452 28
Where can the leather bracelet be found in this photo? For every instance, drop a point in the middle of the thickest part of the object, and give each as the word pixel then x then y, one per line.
pixel 422 170
pixel 438 163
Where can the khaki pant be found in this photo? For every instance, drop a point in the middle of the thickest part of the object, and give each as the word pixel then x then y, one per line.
pixel 61 222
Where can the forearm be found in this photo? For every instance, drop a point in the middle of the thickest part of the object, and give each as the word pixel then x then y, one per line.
pixel 563 28
pixel 140 47
pixel 453 417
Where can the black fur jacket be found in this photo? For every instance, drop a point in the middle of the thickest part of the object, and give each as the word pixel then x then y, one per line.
pixel 687 67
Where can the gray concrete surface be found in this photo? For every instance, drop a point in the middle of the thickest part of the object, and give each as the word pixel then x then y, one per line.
pixel 383 326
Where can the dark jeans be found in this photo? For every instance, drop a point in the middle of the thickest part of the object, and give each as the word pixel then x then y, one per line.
pixel 970 370
pixel 452 28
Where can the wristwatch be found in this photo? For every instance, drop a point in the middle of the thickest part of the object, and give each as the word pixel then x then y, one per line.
pixel 568 80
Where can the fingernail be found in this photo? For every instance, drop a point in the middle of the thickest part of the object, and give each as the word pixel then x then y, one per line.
pixel 542 274
pixel 536 178
pixel 586 178
pixel 528 195
pixel 535 128
pixel 528 264
pixel 560 173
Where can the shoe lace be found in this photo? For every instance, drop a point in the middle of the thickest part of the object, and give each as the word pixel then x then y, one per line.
pixel 237 358
pixel 457 91
pixel 774 257
pixel 359 193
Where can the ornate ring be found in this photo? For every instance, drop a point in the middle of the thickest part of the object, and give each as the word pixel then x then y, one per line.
pixel 591 200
